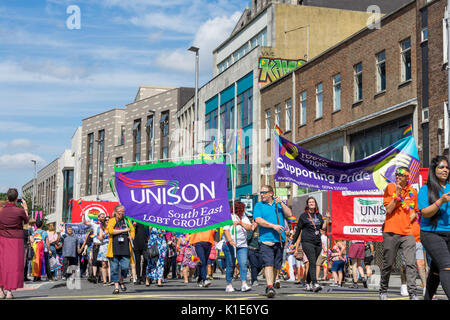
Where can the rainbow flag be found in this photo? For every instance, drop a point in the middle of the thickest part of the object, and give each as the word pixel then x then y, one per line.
pixel 278 130
pixel 292 219
pixel 408 131
pixel 239 144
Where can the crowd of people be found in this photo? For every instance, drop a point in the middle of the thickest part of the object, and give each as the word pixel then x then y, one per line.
pixel 271 244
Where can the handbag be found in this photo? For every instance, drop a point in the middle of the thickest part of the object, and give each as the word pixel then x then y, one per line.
pixel 181 256
pixel 299 254
pixel 153 252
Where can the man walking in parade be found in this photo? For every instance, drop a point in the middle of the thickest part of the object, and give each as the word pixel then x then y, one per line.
pixel 270 214
pixel 400 201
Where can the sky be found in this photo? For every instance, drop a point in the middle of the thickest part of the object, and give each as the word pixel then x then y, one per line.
pixel 65 60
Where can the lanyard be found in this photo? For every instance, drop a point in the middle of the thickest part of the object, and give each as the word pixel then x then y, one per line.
pixel 314 224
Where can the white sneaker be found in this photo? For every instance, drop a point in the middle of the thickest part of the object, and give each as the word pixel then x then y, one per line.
pixel 404 290
pixel 255 284
pixel 207 283
pixel 229 289
pixel 277 284
pixel 245 288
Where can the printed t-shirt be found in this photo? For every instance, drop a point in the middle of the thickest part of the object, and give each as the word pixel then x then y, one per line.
pixel 310 228
pixel 267 212
pixel 443 220
pixel 399 221
pixel 70 244
pixel 238 233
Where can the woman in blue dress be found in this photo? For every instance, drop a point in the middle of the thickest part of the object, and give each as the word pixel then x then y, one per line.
pixel 155 267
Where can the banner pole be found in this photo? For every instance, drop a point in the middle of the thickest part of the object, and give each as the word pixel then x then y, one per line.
pixel 274 187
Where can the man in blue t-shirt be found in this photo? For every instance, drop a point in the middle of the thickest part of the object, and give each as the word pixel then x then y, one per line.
pixel 271 233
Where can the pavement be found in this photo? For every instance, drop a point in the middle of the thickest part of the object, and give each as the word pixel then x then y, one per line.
pixel 394 282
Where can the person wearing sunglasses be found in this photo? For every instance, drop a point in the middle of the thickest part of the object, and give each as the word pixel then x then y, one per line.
pixel 400 202
pixel 271 234
pixel 434 199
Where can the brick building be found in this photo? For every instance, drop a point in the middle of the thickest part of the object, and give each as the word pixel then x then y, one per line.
pixel 352 100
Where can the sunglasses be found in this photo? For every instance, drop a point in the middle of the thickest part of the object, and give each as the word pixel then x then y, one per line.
pixel 263 192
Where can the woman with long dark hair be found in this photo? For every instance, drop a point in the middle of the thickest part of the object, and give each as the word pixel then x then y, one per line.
pixel 434 206
pixel 308 233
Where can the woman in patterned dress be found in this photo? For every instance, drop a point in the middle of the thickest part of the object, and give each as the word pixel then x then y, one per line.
pixel 155 267
pixel 104 238
pixel 186 250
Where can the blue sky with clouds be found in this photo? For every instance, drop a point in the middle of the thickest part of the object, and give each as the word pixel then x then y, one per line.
pixel 52 77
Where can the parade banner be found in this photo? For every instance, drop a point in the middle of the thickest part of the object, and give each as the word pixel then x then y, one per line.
pixel 79 230
pixel 360 215
pixel 300 166
pixel 177 197
pixel 91 209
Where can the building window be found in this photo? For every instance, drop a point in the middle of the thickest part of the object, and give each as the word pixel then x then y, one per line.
pixel 358 85
pixel 245 108
pixel 278 115
pixel 332 149
pixel 319 101
pixel 444 41
pixel 424 34
pixel 122 135
pixel 372 140
pixel 137 140
pixel 150 136
pixel 337 92
pixel 164 123
pixel 101 159
pixel 381 71
pixel 245 169
pixel 119 161
pixel 405 47
pixel 67 195
pixel 288 117
pixel 268 124
pixel 90 159
pixel 303 108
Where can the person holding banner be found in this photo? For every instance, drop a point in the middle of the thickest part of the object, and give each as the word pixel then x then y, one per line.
pixel 236 246
pixel 270 214
pixel 400 201
pixel 434 198
pixel 184 256
pixel 203 242
pixel 309 225
pixel 120 251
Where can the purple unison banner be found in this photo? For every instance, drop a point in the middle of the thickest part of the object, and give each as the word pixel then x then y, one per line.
pixel 298 165
pixel 177 197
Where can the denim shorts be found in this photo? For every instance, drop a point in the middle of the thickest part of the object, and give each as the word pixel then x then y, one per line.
pixel 337 266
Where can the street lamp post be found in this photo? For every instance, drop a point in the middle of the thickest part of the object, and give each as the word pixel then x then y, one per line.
pixel 153 112
pixel 196 50
pixel 34 187
pixel 98 168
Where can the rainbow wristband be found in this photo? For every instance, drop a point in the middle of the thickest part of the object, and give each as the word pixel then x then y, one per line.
pixel 437 205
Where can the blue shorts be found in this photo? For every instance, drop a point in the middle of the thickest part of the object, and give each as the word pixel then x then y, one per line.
pixel 337 266
pixel 271 256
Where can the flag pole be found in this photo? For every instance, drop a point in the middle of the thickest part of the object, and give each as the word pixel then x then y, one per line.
pixel 275 189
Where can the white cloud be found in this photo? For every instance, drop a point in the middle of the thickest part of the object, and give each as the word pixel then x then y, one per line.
pixel 17 144
pixel 20 161
pixel 207 37
pixel 14 126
